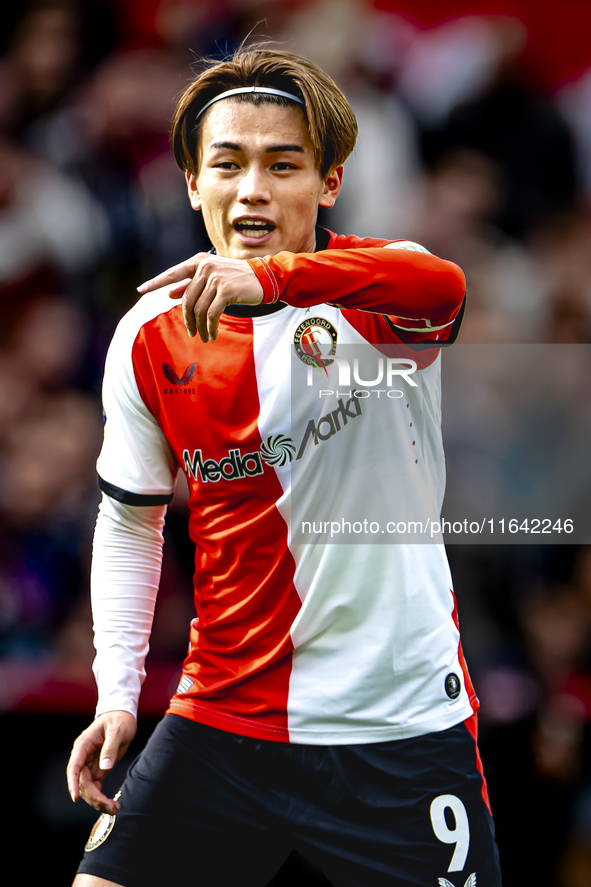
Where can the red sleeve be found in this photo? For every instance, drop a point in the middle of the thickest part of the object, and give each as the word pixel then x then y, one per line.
pixel 417 291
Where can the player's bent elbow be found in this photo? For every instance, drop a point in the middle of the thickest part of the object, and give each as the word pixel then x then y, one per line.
pixel 443 283
pixel 455 280
pixel 451 288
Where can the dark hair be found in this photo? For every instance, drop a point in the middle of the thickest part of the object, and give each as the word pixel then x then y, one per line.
pixel 331 121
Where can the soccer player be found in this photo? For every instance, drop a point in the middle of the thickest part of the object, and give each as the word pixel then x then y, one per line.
pixel 324 702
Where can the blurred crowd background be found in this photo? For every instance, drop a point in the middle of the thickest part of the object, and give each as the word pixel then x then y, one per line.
pixel 475 123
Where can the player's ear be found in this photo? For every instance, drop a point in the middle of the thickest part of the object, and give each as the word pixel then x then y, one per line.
pixel 331 187
pixel 194 195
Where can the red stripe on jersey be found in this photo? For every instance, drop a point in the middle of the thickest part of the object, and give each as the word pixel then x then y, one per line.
pixel 467 679
pixel 240 654
pixel 472 728
pixel 471 722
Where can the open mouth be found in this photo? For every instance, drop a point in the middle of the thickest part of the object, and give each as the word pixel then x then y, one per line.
pixel 254 227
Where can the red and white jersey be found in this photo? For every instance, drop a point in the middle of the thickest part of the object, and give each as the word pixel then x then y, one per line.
pixel 322 641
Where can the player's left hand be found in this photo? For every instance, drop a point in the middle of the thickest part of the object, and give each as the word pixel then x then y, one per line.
pixel 94 753
pixel 215 282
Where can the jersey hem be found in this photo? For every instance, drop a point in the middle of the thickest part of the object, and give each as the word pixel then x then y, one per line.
pixel 302 736
pixel 229 723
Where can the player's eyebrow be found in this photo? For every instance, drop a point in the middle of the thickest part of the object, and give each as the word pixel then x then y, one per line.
pixel 229 146
pixel 281 149
pixel 271 149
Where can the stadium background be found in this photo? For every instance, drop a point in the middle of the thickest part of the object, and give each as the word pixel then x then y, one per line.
pixel 476 141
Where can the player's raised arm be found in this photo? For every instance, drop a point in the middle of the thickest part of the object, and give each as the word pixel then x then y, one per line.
pixel 386 280
pixel 410 284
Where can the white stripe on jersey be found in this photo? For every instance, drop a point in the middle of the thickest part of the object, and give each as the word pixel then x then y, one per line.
pixel 374 639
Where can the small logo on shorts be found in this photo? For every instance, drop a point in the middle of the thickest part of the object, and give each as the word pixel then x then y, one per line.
pixel 471 881
pixel 101 829
pixel 453 687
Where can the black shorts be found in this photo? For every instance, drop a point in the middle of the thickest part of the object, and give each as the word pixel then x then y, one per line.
pixel 204 807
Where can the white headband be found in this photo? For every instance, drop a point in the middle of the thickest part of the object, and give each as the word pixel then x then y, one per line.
pixel 265 90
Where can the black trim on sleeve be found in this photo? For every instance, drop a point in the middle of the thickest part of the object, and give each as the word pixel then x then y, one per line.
pixel 432 343
pixel 128 498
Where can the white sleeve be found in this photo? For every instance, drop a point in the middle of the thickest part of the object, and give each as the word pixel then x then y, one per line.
pixel 126 563
pixel 135 465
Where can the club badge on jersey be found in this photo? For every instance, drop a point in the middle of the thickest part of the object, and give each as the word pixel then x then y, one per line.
pixel 315 342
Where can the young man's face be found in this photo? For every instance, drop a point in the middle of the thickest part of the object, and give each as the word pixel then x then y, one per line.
pixel 258 186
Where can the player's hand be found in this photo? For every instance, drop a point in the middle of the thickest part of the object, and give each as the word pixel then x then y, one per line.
pixel 207 284
pixel 94 753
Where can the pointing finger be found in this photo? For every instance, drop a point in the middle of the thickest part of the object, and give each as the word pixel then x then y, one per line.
pixel 172 275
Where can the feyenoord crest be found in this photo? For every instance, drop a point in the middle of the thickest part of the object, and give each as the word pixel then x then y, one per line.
pixel 315 341
pixel 101 829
